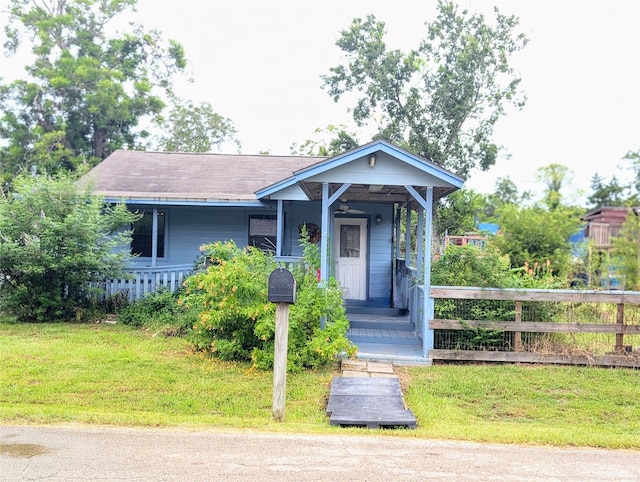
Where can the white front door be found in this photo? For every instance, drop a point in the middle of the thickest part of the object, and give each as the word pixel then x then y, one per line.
pixel 350 248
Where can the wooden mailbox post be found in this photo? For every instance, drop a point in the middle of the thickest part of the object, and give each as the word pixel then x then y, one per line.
pixel 282 291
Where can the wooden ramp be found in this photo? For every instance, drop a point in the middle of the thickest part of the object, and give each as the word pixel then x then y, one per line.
pixel 368 395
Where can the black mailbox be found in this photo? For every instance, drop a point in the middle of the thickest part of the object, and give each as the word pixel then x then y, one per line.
pixel 282 286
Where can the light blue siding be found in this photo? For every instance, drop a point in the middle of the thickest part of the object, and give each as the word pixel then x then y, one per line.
pixel 189 227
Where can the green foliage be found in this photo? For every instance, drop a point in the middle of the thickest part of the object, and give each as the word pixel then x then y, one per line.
pixel 472 266
pixel 555 177
pixel 605 194
pixel 236 321
pixel 485 268
pixel 533 235
pixel 440 100
pixel 456 213
pixel 341 140
pixel 85 92
pixel 158 309
pixel 613 193
pixel 193 127
pixel 626 252
pixel 54 239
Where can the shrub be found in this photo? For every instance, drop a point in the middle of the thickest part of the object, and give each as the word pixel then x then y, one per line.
pixel 55 239
pixel 159 309
pixel 486 268
pixel 236 321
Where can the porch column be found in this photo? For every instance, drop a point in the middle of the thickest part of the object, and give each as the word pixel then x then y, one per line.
pixel 154 238
pixel 398 224
pixel 427 332
pixel 324 238
pixel 327 201
pixel 427 310
pixel 407 235
pixel 279 228
pixel 420 242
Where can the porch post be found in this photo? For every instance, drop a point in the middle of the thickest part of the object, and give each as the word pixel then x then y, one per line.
pixel 324 238
pixel 154 238
pixel 327 201
pixel 427 332
pixel 398 223
pixel 420 242
pixel 279 228
pixel 407 235
pixel 427 308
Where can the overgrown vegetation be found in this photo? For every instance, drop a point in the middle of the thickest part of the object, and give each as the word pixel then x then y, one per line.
pixel 56 238
pixel 236 321
pixel 486 268
pixel 159 310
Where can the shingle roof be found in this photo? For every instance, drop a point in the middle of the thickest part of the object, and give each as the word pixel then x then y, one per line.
pixel 171 176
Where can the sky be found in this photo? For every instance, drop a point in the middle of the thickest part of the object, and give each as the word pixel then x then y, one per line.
pixel 260 64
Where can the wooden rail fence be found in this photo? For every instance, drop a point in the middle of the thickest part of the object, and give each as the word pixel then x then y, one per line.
pixel 621 356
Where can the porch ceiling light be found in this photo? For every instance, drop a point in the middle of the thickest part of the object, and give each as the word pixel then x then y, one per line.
pixel 372 160
pixel 375 187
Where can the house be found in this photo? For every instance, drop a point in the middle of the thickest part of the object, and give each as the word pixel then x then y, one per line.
pixel 604 224
pixel 352 201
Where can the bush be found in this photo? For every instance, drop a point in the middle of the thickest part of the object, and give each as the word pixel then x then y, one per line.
pixel 486 268
pixel 159 309
pixel 55 239
pixel 236 321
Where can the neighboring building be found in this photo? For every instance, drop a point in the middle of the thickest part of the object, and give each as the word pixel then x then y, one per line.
pixel 477 240
pixel 604 224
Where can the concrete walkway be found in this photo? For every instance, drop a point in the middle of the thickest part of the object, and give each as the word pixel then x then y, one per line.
pixel 368 395
pixel 68 454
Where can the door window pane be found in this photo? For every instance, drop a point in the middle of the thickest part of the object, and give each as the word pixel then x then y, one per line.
pixel 349 241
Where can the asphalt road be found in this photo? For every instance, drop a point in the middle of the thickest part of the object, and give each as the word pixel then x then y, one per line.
pixel 109 454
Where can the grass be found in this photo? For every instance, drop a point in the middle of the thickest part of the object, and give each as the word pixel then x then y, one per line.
pixel 116 375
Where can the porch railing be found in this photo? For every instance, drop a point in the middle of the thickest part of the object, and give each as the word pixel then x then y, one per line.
pixel 141 281
pixel 409 293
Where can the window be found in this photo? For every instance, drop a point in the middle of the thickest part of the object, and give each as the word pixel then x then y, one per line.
pixel 142 237
pixel 263 232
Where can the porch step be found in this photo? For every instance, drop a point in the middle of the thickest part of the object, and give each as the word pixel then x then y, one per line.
pixel 378 335
pixel 381 323
pixel 374 310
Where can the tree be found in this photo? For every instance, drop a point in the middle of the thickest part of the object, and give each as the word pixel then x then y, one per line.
pixel 554 176
pixel 610 194
pixel 86 92
pixel 457 214
pixel 55 239
pixel 626 251
pixel 634 158
pixel 341 140
pixel 196 128
pixel 506 192
pixel 440 100
pixel 533 235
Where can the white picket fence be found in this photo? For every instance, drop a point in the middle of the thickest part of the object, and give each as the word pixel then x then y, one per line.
pixel 145 280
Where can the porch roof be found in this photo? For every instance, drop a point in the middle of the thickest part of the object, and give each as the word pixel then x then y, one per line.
pixel 393 168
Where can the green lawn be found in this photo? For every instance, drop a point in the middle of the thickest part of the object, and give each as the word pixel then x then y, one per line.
pixel 116 375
